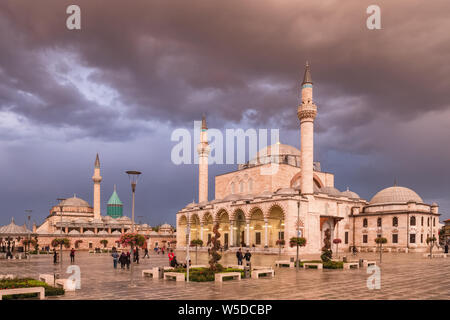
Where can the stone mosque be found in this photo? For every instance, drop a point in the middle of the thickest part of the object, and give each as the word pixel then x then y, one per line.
pixel 255 210
pixel 84 226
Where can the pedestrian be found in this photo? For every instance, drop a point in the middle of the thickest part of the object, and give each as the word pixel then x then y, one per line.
pixel 162 250
pixel 123 260
pixel 446 248
pixel 248 256
pixel 55 256
pixel 136 255
pixel 115 257
pixel 72 255
pixel 239 256
pixel 171 256
pixel 128 260
pixel 146 253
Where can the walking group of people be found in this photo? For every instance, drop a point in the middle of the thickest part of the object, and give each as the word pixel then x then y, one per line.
pixel 125 258
pixel 240 257
pixel 56 256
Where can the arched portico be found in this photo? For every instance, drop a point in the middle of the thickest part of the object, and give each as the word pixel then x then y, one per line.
pixel 181 230
pixel 224 227
pixel 195 227
pixel 207 227
pixel 275 224
pixel 239 229
pixel 256 228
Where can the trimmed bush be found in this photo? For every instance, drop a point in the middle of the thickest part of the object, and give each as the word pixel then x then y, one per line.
pixel 28 283
pixel 206 274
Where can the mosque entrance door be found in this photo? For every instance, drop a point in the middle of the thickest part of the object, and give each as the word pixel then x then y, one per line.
pixel 242 238
pixel 226 240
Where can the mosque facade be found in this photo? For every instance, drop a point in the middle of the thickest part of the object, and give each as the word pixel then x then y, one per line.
pixel 84 226
pixel 258 210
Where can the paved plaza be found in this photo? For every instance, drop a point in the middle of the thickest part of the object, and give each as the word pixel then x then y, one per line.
pixel 403 276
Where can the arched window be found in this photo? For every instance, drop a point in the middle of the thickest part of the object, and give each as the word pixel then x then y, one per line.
pixel 379 222
pixel 365 223
pixel 241 187
pixel 434 222
pixel 250 185
pixel 412 221
pixel 422 221
pixel 232 188
pixel 428 222
pixel 395 222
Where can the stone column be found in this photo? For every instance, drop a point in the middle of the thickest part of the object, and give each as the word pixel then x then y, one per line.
pixel 201 231
pixel 247 233
pixel 266 236
pixel 231 233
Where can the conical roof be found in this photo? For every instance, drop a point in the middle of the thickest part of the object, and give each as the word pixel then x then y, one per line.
pixel 13 228
pixel 307 77
pixel 114 199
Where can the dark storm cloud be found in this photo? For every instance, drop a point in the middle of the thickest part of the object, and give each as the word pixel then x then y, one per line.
pixel 166 62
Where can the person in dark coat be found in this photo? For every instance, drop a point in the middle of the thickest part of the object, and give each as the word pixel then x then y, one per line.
pixel 248 256
pixel 146 253
pixel 55 256
pixel 123 260
pixel 136 255
pixel 239 257
pixel 72 255
pixel 446 248
pixel 128 260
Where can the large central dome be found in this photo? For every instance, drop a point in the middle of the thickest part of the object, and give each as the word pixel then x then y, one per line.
pixel 74 202
pixel 285 154
pixel 396 195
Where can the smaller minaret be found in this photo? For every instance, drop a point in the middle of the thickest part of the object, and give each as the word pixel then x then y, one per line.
pixel 306 113
pixel 203 150
pixel 97 178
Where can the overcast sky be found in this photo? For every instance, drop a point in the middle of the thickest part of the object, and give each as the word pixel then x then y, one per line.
pixel 139 69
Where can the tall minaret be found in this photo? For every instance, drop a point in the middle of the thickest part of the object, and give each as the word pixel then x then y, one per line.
pixel 97 178
pixel 306 113
pixel 203 150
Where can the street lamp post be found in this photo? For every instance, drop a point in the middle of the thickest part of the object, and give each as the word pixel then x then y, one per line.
pixel 29 235
pixel 298 232
pixel 61 214
pixel 133 175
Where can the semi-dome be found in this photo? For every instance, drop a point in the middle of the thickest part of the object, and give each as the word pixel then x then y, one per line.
pixel 232 197
pixel 74 202
pixel 396 194
pixel 287 191
pixel 265 194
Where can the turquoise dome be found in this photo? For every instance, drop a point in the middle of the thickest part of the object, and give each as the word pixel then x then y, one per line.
pixel 114 206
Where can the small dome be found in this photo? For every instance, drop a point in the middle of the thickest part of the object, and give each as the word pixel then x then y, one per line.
pixel 74 202
pixel 116 232
pixel 74 232
pixel 396 195
pixel 191 205
pixel 102 232
pixel 165 226
pixel 106 218
pixel 232 197
pixel 350 194
pixel 88 232
pixel 265 194
pixel 287 191
pixel 332 191
pixel 80 220
pixel 124 218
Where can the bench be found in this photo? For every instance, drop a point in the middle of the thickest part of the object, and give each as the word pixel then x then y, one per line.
pixel 436 255
pixel 312 264
pixel 218 277
pixel 39 290
pixel 66 284
pixel 47 278
pixel 236 266
pixel 168 268
pixel 367 263
pixel 349 265
pixel 6 276
pixel 198 266
pixel 153 273
pixel 268 272
pixel 177 276
pixel 283 263
pixel 261 268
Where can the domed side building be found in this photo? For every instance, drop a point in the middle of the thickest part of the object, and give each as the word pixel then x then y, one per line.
pixel 84 226
pixel 282 193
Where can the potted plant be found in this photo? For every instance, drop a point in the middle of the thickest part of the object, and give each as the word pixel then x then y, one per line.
pixel 77 243
pixel 380 241
pixel 195 243
pixel 336 242
pixel 299 242
pixel 280 243
pixel 430 241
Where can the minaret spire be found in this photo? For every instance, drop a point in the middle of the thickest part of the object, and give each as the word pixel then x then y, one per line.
pixel 203 150
pixel 306 113
pixel 97 178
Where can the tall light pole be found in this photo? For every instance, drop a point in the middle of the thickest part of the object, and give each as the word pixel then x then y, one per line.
pixel 298 232
pixel 61 214
pixel 133 175
pixel 29 235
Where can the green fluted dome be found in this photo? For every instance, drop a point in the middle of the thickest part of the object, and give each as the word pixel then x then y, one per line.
pixel 115 206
